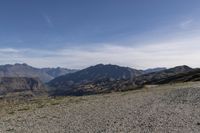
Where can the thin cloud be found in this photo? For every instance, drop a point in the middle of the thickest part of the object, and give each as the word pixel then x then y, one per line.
pixel 9 50
pixel 48 20
pixel 186 23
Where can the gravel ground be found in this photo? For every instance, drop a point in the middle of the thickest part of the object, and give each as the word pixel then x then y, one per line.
pixel 158 109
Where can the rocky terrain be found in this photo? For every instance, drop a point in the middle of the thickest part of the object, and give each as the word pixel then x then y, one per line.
pixel 167 108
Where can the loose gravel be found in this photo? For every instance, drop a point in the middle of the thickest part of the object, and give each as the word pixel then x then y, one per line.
pixel 157 109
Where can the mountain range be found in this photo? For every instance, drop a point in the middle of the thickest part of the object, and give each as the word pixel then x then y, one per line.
pixel 96 79
pixel 107 78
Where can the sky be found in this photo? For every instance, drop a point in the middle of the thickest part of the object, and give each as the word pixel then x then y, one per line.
pixel 79 33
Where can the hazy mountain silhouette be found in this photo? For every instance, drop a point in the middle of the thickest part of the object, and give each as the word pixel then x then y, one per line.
pixel 151 70
pixel 21 87
pixel 24 70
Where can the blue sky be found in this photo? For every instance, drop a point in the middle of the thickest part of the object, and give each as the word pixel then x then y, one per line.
pixel 79 33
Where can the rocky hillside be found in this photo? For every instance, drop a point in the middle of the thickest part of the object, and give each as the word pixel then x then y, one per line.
pixel 93 74
pixel 193 76
pixel 111 78
pixel 24 70
pixel 155 76
pixel 21 86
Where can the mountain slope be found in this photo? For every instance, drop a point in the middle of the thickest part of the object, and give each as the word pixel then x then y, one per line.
pixel 172 75
pixel 155 76
pixel 94 73
pixel 21 86
pixel 193 75
pixel 24 70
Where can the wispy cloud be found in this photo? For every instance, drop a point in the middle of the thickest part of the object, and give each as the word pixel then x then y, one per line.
pixel 186 23
pixel 9 50
pixel 48 20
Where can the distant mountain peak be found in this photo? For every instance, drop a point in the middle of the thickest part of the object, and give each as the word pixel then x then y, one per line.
pixel 151 70
pixel 99 72
pixel 25 70
pixel 183 67
pixel 21 64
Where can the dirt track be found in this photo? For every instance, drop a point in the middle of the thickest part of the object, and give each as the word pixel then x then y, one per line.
pixel 159 109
